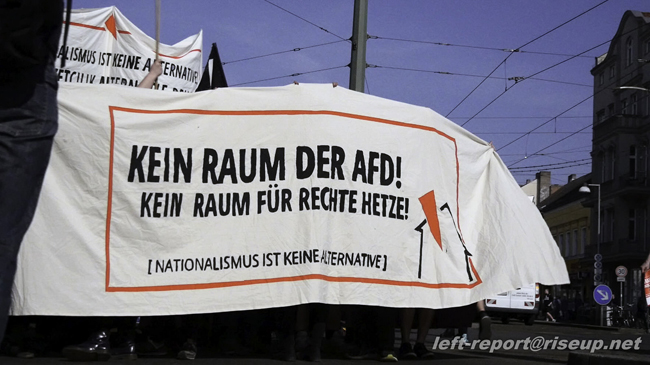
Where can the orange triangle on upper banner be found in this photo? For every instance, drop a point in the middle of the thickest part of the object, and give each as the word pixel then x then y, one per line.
pixel 110 26
pixel 429 206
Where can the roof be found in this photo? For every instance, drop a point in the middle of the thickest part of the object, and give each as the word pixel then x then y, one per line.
pixel 640 15
pixel 566 194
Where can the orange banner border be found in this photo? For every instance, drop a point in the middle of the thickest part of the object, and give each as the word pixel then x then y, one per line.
pixel 110 288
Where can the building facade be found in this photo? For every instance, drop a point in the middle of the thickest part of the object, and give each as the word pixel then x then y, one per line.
pixel 569 221
pixel 621 135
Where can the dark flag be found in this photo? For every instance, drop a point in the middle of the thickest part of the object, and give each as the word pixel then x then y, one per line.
pixel 213 75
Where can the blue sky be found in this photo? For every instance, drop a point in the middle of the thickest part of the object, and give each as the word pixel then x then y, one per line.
pixel 537 123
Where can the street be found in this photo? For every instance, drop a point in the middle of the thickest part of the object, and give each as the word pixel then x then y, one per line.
pixel 553 335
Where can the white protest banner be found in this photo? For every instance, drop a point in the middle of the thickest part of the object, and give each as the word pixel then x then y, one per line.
pixel 247 198
pixel 104 47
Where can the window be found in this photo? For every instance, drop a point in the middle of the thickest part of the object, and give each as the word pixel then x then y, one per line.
pixel 646 99
pixel 608 170
pixel 645 223
pixel 574 243
pixel 567 244
pixel 646 48
pixel 624 106
pixel 633 105
pixel 601 79
pixel 583 239
pixel 600 116
pixel 629 52
pixel 610 224
pixel 642 154
pixel 612 71
pixel 633 160
pixel 610 109
pixel 631 226
pixel 603 164
pixel 612 171
pixel 560 243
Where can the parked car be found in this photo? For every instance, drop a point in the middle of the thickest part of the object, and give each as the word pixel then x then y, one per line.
pixel 521 303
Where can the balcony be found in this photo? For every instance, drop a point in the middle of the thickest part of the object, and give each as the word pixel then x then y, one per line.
pixel 633 187
pixel 618 249
pixel 621 123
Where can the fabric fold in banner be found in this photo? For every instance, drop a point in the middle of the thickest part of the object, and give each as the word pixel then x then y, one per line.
pixel 249 198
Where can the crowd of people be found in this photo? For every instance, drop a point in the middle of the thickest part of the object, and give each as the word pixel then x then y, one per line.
pixel 561 307
pixel 303 332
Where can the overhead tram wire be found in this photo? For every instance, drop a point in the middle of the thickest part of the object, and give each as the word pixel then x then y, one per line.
pixel 291 75
pixel 510 54
pixel 536 73
pixel 550 164
pixel 563 152
pixel 470 75
pixel 553 144
pixel 565 111
pixel 500 133
pixel 570 150
pixel 550 156
pixel 572 107
pixel 568 59
pixel 530 117
pixel 509 50
pixel 305 20
pixel 282 52
pixel 550 168
pixel 545 123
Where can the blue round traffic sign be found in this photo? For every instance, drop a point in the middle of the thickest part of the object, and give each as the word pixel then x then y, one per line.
pixel 602 294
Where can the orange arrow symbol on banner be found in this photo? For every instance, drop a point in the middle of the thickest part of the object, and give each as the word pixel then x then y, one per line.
pixel 429 206
pixel 430 209
pixel 111 26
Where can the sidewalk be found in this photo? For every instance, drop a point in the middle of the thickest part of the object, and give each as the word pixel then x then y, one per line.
pixel 608 358
pixel 550 330
pixel 580 325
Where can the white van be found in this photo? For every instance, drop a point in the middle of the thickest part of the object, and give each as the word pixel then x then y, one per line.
pixel 520 303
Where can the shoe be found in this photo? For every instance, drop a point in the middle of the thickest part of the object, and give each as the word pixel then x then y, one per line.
pixel 406 352
pixel 484 330
pixel 25 355
pixel 421 351
pixel 357 353
pixel 124 351
pixel 464 339
pixel 96 348
pixel 188 351
pixel 387 356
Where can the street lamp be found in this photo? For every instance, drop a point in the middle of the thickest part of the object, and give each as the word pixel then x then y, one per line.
pixel 632 88
pixel 598 257
pixel 585 189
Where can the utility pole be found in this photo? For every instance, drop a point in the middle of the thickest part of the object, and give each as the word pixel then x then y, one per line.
pixel 359 38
